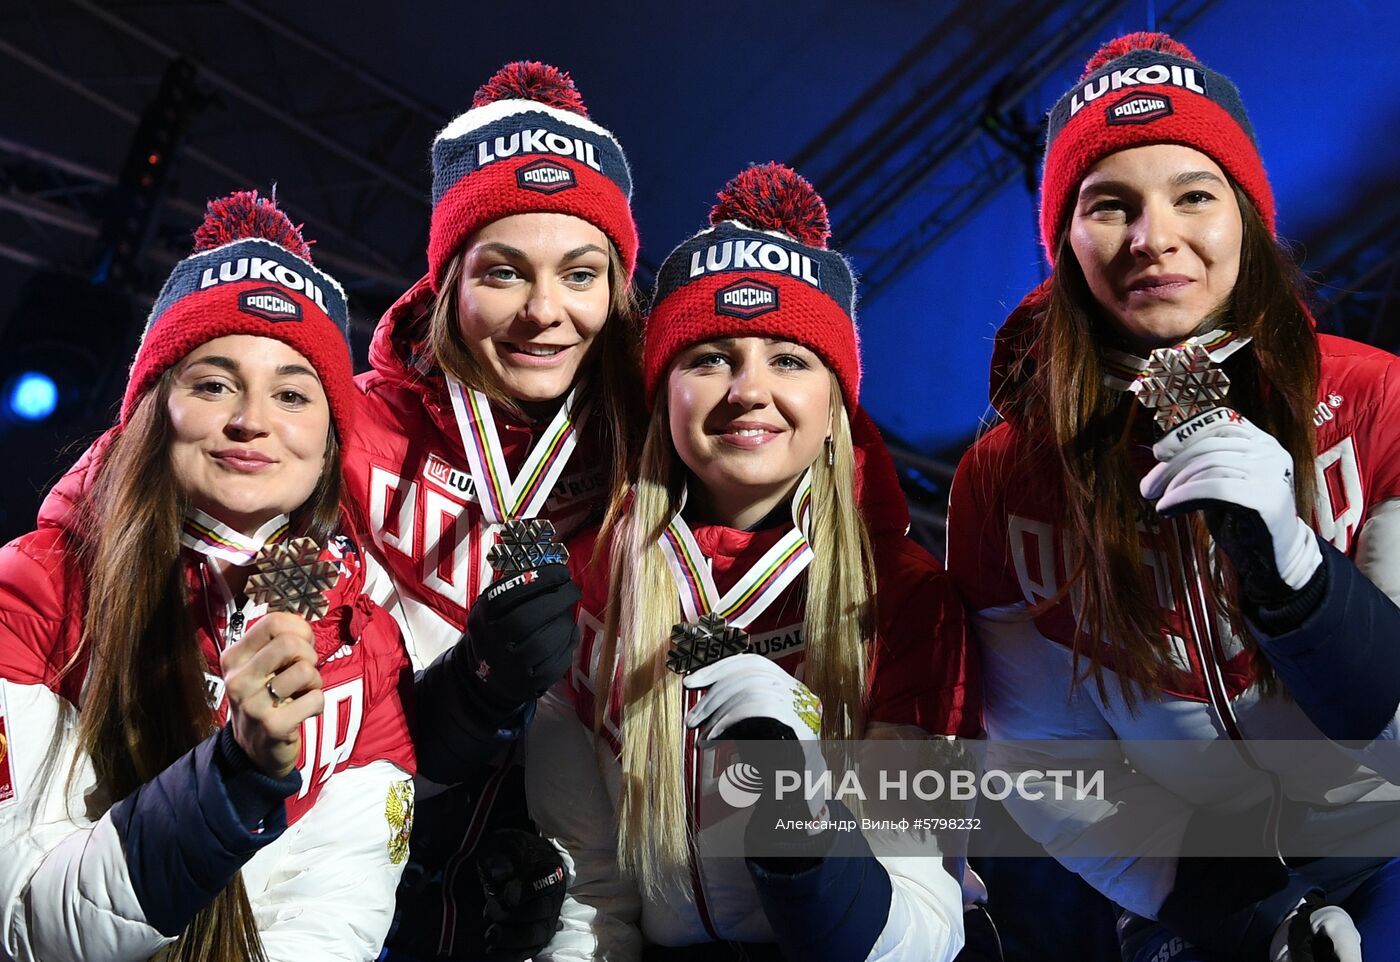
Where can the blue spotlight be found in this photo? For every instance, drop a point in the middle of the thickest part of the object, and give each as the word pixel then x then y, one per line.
pixel 32 396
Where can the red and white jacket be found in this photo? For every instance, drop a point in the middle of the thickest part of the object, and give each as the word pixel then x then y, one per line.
pixel 1006 555
pixel 68 886
pixel 407 473
pixel 921 678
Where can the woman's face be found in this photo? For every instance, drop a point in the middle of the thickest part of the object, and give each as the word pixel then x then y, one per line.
pixel 533 296
pixel 748 416
pixel 1157 233
pixel 249 424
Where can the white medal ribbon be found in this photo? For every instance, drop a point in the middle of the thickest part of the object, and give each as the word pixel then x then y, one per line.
pixel 759 586
pixel 214 539
pixel 503 498
pixel 1122 371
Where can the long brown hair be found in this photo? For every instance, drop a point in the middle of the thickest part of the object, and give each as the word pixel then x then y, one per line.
pixel 144 703
pixel 1086 426
pixel 838 624
pixel 613 365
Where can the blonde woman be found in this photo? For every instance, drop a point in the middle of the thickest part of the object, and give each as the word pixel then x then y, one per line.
pixel 746 506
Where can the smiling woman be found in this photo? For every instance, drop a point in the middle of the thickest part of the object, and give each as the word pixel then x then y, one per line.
pixel 749 515
pixel 504 389
pixel 163 674
pixel 1157 231
pixel 250 429
pixel 1140 579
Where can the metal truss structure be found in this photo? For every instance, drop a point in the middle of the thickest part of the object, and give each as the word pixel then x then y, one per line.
pixel 355 140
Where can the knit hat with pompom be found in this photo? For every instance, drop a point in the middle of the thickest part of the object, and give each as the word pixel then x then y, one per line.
pixel 1146 88
pixel 250 273
pixel 762 269
pixel 527 146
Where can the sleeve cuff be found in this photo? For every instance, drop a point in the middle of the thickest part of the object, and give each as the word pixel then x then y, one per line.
pixel 256 798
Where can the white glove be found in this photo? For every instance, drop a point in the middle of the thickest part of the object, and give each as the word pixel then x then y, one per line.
pixel 751 686
pixel 1327 922
pixel 1220 457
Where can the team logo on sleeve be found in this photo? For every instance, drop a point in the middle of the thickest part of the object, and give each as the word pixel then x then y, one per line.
pixel 545 177
pixel 270 304
pixel 1140 108
pixel 746 298
pixel 398 812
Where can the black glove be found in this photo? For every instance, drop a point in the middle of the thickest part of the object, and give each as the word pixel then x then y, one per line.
pixel 521 635
pixel 522 875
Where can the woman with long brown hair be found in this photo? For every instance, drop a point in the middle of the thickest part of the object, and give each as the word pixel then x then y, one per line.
pixel 203 753
pixel 1185 529
pixel 504 389
pixel 745 587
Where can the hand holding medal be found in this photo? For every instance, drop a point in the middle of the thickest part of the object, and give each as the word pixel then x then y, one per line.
pixel 272 686
pixel 272 681
pixel 1213 460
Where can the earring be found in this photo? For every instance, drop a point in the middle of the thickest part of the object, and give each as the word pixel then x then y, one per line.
pixel 830 452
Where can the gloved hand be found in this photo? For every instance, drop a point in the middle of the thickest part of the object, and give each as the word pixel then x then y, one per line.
pixel 522 875
pixel 521 635
pixel 1242 478
pixel 749 696
pixel 1316 933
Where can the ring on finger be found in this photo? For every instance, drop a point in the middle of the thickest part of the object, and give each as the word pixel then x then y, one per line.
pixel 276 698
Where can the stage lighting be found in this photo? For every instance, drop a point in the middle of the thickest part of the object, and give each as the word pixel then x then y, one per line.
pixel 32 396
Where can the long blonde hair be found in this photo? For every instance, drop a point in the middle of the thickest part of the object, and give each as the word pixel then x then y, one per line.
pixel 838 624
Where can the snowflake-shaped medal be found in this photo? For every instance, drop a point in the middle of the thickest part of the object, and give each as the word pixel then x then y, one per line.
pixel 695 644
pixel 1180 383
pixel 291 577
pixel 525 546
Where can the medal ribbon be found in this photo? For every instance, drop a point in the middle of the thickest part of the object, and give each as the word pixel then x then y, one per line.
pixel 502 497
pixel 759 586
pixel 214 539
pixel 1122 370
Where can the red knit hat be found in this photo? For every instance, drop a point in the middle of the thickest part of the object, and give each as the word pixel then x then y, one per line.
pixel 1146 88
pixel 250 273
pixel 527 146
pixel 762 269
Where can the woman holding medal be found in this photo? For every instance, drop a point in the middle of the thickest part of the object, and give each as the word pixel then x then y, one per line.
pixel 503 390
pixel 207 756
pixel 1236 553
pixel 742 536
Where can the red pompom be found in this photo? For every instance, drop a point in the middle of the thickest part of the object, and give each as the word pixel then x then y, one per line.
pixel 532 80
pixel 1143 40
pixel 243 215
pixel 773 197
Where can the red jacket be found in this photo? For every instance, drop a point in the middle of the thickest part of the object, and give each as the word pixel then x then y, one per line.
pixel 355 762
pixel 1006 553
